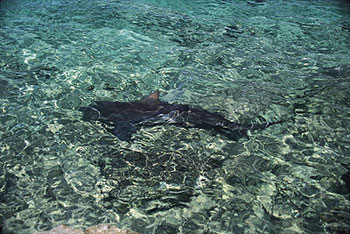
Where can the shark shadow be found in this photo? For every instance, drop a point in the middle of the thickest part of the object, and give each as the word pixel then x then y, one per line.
pixel 127 117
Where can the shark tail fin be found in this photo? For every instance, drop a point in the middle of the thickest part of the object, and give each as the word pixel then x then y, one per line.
pixel 242 129
pixel 264 125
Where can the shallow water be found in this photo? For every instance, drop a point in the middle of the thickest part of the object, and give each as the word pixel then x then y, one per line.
pixel 278 60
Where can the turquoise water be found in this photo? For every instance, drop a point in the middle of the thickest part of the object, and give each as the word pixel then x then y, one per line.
pixel 276 60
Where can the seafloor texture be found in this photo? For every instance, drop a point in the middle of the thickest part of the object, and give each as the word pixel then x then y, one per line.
pixel 98 229
pixel 248 60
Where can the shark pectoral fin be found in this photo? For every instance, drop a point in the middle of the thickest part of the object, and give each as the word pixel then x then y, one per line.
pixel 124 130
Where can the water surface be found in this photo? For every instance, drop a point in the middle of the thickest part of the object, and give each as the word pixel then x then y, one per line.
pixel 244 59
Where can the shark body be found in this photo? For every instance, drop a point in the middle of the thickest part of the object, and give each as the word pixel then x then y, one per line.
pixel 127 117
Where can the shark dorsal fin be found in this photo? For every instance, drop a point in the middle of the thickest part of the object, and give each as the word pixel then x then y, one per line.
pixel 152 98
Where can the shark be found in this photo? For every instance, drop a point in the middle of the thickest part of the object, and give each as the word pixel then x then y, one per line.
pixel 127 117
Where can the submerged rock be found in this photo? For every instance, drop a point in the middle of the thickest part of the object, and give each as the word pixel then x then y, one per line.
pixel 107 229
pixel 98 229
pixel 62 229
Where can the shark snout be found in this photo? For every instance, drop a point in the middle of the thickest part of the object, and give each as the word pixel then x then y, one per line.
pixel 90 113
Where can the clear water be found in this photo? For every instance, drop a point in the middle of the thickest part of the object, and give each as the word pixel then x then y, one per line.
pixel 281 60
